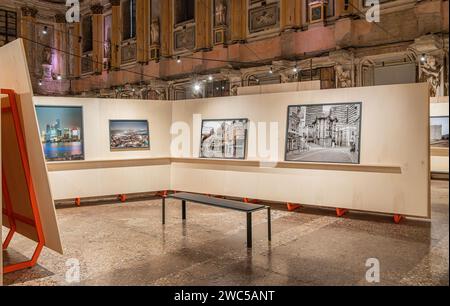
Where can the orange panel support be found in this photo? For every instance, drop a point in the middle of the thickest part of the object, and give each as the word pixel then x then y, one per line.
pixel 12 216
pixel 162 194
pixel 398 219
pixel 340 212
pixel 293 207
pixel 78 201
pixel 252 201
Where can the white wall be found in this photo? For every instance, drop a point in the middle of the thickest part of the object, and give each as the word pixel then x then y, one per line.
pixel 394 134
pixel 99 182
pixel 98 112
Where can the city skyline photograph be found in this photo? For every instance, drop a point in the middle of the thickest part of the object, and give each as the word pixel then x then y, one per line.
pixel 61 131
pixel 129 135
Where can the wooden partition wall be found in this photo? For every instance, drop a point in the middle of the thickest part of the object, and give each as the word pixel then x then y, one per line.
pixel 393 176
pixel 15 81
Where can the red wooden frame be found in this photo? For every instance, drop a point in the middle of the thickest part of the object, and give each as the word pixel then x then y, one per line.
pixel 9 211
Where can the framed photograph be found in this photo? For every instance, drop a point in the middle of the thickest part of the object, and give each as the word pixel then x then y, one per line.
pixel 61 131
pixel 324 133
pixel 127 135
pixel 316 13
pixel 439 132
pixel 224 138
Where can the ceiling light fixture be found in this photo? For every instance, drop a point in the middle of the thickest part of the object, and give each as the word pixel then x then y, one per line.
pixel 197 87
pixel 423 58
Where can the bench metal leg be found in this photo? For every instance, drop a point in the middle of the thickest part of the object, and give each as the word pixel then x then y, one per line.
pixel 249 231
pixel 163 211
pixel 183 209
pixel 269 223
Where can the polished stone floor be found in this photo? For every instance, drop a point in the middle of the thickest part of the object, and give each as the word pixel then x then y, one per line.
pixel 125 244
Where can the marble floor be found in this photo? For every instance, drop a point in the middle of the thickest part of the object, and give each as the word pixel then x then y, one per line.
pixel 125 244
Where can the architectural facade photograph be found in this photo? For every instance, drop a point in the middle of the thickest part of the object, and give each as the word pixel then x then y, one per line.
pixel 324 133
pixel 196 144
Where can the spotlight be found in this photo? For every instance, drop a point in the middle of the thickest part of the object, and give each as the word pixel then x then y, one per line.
pixel 210 78
pixel 271 70
pixel 178 59
pixel 59 77
pixel 40 82
pixel 295 69
pixel 45 30
pixel 197 87
pixel 423 58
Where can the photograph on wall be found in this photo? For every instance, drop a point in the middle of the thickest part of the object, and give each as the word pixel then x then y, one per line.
pixel 439 132
pixel 224 138
pixel 129 135
pixel 324 133
pixel 61 131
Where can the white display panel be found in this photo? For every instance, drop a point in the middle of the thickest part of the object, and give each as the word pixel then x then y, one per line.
pixel 393 175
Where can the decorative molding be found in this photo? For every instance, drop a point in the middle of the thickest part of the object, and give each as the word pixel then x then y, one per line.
pixel 60 18
pixel 29 11
pixel 97 9
pixel 115 2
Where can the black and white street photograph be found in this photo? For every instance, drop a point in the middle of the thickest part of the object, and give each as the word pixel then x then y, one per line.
pixel 326 133
pixel 223 139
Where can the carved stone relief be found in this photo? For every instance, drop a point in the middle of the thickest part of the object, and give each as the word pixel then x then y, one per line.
pixel 184 39
pixel 263 18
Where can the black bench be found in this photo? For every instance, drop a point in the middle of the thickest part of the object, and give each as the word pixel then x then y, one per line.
pixel 222 203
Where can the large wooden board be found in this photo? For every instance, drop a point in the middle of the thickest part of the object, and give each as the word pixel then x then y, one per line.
pixel 14 75
pixel 1 194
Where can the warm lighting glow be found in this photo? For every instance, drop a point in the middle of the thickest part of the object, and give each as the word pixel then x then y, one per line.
pixel 423 58
pixel 197 87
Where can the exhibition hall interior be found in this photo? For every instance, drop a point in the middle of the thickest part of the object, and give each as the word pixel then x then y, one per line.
pixel 224 143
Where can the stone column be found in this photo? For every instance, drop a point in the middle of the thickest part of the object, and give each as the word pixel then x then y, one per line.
pixel 291 14
pixel 77 40
pixel 238 20
pixel 143 10
pixel 166 28
pixel 61 43
pixel 97 38
pixel 27 30
pixel 116 30
pixel 203 24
